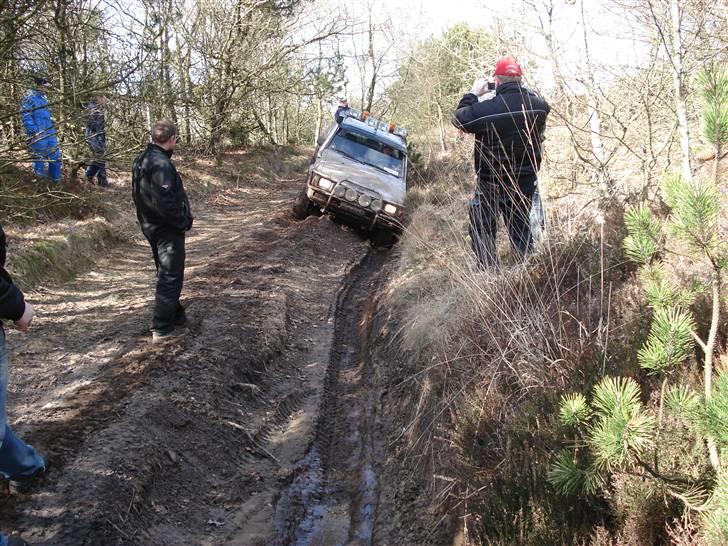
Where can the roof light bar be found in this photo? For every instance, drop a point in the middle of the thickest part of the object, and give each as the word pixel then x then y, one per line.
pixel 375 123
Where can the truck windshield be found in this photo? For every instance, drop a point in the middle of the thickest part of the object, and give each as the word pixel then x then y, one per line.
pixel 369 151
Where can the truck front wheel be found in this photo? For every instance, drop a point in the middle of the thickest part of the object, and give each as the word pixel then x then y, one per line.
pixel 302 206
pixel 384 238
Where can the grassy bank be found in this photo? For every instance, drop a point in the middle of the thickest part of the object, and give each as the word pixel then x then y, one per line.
pixel 484 357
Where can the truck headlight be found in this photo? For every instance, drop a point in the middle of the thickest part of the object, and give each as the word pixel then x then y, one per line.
pixel 325 184
pixel 390 209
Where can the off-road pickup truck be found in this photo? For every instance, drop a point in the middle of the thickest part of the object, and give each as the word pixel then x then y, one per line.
pixel 358 172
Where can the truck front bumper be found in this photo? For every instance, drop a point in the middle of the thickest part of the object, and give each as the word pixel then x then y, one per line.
pixel 352 211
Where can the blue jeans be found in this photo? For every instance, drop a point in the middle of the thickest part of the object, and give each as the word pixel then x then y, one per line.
pixel 47 160
pixel 98 169
pixel 17 459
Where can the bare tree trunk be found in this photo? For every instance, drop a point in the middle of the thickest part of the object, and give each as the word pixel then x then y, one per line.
pixel 595 121
pixel 184 62
pixel 441 128
pixel 169 98
pixel 373 60
pixel 709 350
pixel 680 93
pixel 319 122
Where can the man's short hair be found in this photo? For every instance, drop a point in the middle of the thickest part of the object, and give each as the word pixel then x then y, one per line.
pixel 163 130
pixel 509 79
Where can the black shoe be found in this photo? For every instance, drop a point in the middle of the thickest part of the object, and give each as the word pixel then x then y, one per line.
pixel 159 336
pixel 25 484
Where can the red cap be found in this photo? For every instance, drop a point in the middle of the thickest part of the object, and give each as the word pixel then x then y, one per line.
pixel 508 66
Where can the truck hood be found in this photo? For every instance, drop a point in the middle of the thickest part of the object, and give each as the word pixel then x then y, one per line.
pixel 339 168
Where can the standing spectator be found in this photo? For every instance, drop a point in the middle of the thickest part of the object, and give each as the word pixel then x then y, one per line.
pixel 19 462
pixel 164 214
pixel 41 133
pixel 508 130
pixel 341 110
pixel 96 138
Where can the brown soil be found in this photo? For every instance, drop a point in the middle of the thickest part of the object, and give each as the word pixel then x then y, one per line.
pixel 263 425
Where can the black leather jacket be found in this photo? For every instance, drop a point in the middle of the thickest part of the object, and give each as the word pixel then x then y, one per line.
pixel 12 303
pixel 509 130
pixel 158 192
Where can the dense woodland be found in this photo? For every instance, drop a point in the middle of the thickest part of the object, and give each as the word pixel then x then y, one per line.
pixel 618 381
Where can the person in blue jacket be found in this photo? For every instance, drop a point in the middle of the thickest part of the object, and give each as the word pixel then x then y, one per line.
pixel 96 139
pixel 20 463
pixel 41 133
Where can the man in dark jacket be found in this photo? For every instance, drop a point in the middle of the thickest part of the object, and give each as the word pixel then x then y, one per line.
pixel 19 462
pixel 509 129
pixel 96 139
pixel 340 110
pixel 164 214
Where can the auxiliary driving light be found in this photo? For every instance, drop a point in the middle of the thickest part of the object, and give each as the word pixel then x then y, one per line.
pixel 339 191
pixel 351 195
pixel 365 200
pixel 376 205
pixel 390 209
pixel 325 184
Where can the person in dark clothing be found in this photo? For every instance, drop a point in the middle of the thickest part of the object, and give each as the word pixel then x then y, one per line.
pixel 96 139
pixel 340 110
pixel 20 463
pixel 164 214
pixel 509 129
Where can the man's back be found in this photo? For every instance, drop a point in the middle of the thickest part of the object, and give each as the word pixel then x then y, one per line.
pixel 158 192
pixel 35 113
pixel 95 125
pixel 509 131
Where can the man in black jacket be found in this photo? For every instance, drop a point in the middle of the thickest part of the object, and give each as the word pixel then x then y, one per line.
pixel 164 214
pixel 509 129
pixel 19 462
pixel 96 139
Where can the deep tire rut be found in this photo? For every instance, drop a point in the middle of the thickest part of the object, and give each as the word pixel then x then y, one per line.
pixel 332 495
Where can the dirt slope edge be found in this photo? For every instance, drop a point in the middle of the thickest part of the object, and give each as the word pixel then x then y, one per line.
pixel 409 510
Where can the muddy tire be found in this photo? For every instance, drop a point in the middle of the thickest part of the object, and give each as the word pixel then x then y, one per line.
pixel 384 239
pixel 302 206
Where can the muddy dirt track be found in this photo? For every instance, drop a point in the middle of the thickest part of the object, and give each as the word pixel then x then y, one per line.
pixel 258 427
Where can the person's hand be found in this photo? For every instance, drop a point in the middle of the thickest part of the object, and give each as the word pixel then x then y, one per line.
pixel 480 86
pixel 23 323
